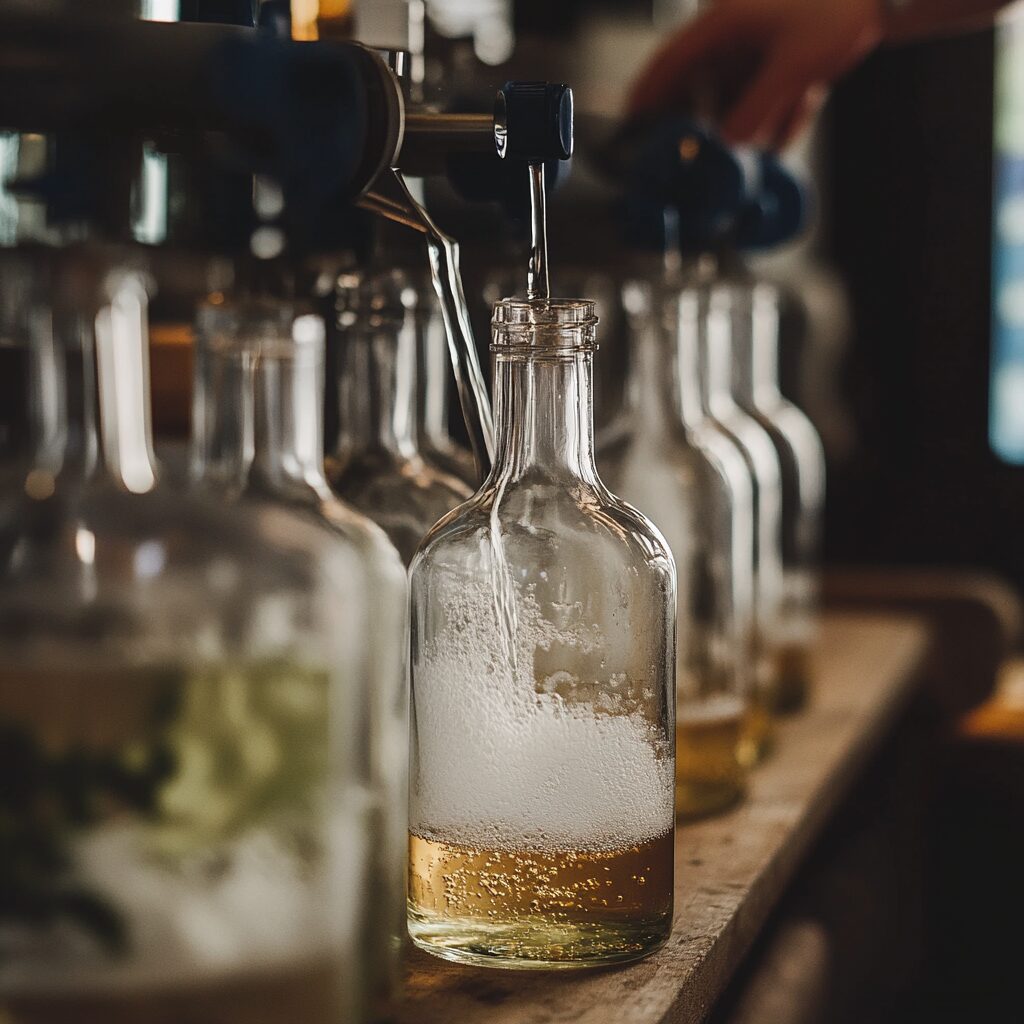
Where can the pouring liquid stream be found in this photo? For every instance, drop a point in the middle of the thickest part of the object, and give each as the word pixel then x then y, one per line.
pixel 538 289
pixel 538 279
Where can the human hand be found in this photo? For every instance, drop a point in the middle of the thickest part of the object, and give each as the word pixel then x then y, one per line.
pixel 766 64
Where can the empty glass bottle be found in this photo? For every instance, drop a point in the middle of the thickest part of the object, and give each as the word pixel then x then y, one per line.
pixel 435 442
pixel 755 349
pixel 257 436
pixel 715 337
pixel 374 463
pixel 183 836
pixel 668 460
pixel 543 657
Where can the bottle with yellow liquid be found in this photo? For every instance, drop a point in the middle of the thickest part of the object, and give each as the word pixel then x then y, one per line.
pixel 755 331
pixel 670 462
pixel 543 662
pixel 712 309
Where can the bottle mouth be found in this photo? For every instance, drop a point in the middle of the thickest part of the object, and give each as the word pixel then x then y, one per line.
pixel 544 326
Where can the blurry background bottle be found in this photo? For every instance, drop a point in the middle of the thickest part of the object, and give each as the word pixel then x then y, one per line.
pixel 753 443
pixel 257 436
pixel 755 355
pixel 184 829
pixel 543 623
pixel 374 462
pixel 668 461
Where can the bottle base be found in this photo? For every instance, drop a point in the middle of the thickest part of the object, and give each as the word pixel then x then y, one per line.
pixel 526 945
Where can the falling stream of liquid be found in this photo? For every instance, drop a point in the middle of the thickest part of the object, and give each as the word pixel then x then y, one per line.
pixel 538 280
pixel 538 289
pixel 393 200
pixel 396 202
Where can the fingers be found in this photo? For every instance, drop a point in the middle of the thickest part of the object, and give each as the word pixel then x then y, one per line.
pixel 799 116
pixel 669 73
pixel 760 113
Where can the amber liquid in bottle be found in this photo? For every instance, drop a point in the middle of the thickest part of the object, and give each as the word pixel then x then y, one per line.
pixel 710 776
pixel 575 906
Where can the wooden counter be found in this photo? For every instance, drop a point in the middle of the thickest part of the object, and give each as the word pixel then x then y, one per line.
pixel 731 871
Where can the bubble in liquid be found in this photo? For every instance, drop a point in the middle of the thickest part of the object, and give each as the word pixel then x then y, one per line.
pixel 508 760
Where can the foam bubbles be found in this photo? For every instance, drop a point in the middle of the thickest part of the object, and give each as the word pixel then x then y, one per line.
pixel 506 759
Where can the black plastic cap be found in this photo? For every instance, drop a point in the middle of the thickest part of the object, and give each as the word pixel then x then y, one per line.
pixel 533 121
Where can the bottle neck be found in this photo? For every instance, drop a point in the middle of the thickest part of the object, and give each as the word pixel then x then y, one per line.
pixel 685 315
pixel 287 430
pixel 122 363
pixel 715 359
pixel 764 348
pixel 741 341
pixel 376 389
pixel 432 381
pixel 544 417
pixel 55 430
pixel 652 385
pixel 86 359
pixel 755 348
pixel 257 425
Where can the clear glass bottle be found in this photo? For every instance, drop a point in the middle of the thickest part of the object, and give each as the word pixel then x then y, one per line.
pixel 671 463
pixel 183 835
pixel 604 289
pixel 435 442
pixel 751 439
pixel 755 348
pixel 543 658
pixel 257 436
pixel 374 462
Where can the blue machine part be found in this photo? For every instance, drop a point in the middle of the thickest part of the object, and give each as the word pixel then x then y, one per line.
pixel 776 212
pixel 683 167
pixel 717 195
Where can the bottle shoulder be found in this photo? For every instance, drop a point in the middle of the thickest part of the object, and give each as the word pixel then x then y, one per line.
pixel 171 574
pixel 798 432
pixel 538 520
pixel 386 475
pixel 754 442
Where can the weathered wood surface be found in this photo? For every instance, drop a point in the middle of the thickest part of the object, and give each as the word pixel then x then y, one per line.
pixel 731 871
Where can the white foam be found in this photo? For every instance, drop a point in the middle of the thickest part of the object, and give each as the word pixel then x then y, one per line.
pixel 265 908
pixel 507 760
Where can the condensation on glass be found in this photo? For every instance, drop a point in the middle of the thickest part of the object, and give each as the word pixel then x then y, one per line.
pixel 374 462
pixel 543 657
pixel 667 459
pixel 755 350
pixel 184 833
pixel 258 436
